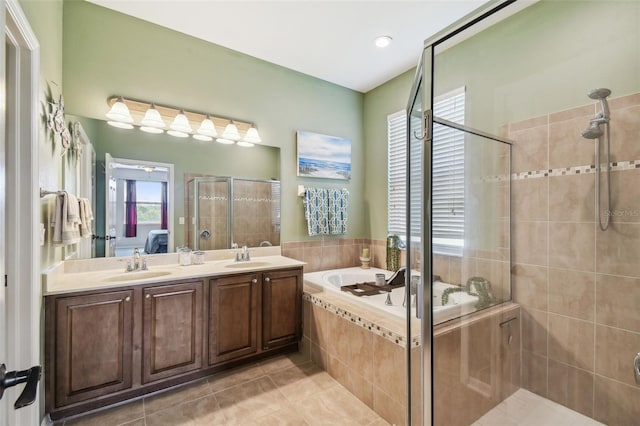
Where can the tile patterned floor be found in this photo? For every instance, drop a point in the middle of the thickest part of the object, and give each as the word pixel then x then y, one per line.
pixel 286 390
pixel 525 408
pixel 283 390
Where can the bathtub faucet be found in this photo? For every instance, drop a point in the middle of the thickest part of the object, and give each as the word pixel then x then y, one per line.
pixel 413 291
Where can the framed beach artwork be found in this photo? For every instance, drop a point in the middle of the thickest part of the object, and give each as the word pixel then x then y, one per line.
pixel 323 156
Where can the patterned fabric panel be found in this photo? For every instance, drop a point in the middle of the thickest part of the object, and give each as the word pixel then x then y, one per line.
pixel 316 206
pixel 338 202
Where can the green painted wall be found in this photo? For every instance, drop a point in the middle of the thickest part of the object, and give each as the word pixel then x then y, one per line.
pixel 386 99
pixel 541 60
pixel 108 53
pixel 544 59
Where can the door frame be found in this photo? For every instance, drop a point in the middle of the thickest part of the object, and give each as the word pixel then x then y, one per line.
pixel 22 206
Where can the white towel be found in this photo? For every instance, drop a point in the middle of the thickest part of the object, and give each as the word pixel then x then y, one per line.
pixel 66 221
pixel 86 218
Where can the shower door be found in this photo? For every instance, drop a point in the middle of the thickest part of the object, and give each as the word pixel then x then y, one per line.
pixel 460 361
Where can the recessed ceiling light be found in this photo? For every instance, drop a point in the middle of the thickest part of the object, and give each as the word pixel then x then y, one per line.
pixel 383 41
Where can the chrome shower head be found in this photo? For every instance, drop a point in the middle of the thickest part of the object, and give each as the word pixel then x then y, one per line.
pixel 593 132
pixel 601 95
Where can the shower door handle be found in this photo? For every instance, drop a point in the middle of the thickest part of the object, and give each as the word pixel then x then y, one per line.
pixel 636 367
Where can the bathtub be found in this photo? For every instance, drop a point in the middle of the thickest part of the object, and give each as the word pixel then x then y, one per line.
pixel 459 303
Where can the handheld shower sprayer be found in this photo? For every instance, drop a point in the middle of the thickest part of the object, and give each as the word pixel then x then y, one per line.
pixel 601 95
pixel 594 131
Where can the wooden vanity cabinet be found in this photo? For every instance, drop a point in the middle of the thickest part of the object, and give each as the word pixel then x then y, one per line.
pixel 172 323
pixel 233 317
pixel 281 308
pixel 93 345
pixel 110 345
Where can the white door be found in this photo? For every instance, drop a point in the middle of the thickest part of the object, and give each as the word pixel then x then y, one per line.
pixel 3 326
pixel 109 208
pixel 20 302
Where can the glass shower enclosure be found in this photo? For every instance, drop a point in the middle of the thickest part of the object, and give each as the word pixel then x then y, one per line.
pixel 463 354
pixel 227 211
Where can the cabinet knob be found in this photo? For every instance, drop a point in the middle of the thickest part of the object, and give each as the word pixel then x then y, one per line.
pixel 127 299
pixel 147 296
pixel 254 281
pixel 267 279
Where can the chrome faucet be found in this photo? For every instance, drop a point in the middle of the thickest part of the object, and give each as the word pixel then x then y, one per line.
pixel 136 263
pixel 243 256
pixel 136 259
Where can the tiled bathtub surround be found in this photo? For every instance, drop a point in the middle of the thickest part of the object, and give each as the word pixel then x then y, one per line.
pixel 365 350
pixel 326 253
pixel 579 287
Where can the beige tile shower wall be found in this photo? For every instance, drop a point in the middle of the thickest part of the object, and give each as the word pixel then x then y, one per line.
pixel 333 253
pixel 579 287
pixel 325 253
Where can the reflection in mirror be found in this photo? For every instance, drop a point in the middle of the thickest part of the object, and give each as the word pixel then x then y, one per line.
pixel 253 219
pixel 190 158
pixel 139 200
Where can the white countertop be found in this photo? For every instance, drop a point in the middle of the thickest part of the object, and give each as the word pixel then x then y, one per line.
pixel 96 274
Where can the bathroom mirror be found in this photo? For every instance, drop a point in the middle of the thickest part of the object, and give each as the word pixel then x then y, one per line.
pixel 190 158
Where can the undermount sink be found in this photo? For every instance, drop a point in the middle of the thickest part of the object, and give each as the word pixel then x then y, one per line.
pixel 140 275
pixel 249 264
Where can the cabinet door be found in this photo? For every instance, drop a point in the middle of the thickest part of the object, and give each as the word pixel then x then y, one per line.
pixel 93 345
pixel 281 307
pixel 172 330
pixel 233 317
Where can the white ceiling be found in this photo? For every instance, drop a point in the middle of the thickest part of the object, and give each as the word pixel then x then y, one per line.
pixel 330 39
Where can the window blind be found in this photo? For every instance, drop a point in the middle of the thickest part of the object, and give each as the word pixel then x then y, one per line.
pixel 447 175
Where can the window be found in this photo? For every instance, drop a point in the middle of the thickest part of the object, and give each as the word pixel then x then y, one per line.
pixel 148 201
pixel 448 174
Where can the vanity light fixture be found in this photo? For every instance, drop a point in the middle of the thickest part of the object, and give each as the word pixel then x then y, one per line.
pixel 252 135
pixel 153 118
pixel 207 130
pixel 231 132
pixel 152 121
pixel 119 112
pixel 181 123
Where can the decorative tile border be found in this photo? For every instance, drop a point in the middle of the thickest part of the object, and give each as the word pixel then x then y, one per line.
pixel 575 170
pixel 355 319
pixel 564 171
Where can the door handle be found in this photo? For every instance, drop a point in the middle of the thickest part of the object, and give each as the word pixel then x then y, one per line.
pixel 13 378
pixel 636 367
